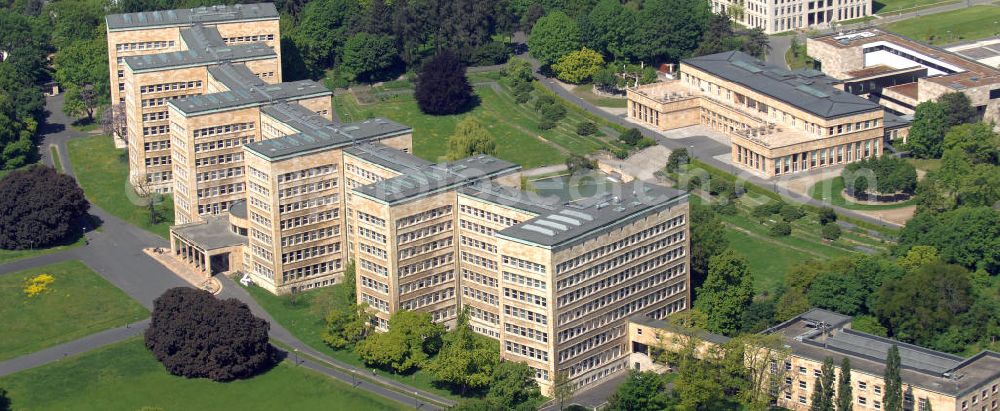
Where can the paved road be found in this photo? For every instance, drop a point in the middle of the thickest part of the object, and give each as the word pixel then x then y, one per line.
pixel 115 252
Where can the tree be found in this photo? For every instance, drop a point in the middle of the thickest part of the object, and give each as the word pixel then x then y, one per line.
pixel 822 397
pixel 708 239
pixel 562 388
pixel 578 66
pixel 514 387
pixel 756 43
pixel 553 36
pixel 676 159
pixel 41 207
pixel 845 294
pixel 826 216
pixel 763 356
pixel 347 322
pixel 82 69
pixel 470 139
pixel 845 398
pixel 830 232
pixel 631 136
pixel 4 400
pixel 918 256
pixel 322 31
pixel 670 29
pixel 612 27
pixel 113 121
pixel 781 229
pixel 930 122
pixel 196 335
pixel 718 36
pixel 367 56
pixel 969 236
pixel 919 306
pixel 958 108
pixel 892 400
pixel 791 213
pixel 412 339
pixel 586 128
pixel 881 175
pixel 466 359
pixel 726 293
pixel 442 87
pixel 978 141
pixel 641 391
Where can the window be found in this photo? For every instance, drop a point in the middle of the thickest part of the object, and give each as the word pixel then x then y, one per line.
pixel 862 385
pixel 802 384
pixel 802 370
pixel 802 399
pixel 862 400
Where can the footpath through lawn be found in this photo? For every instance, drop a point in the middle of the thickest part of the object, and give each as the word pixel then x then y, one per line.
pixel 78 303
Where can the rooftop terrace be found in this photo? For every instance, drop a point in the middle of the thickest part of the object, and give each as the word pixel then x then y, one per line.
pixel 317 133
pixel 183 17
pixel 249 97
pixel 436 178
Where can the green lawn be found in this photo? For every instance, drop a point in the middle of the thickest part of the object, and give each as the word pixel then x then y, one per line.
pixel 304 319
pixel 54 154
pixel 925 164
pixel 7 256
pixel 78 303
pixel 892 6
pixel 585 91
pixel 959 25
pixel 102 171
pixel 797 58
pixel 125 376
pixel 831 191
pixel 512 125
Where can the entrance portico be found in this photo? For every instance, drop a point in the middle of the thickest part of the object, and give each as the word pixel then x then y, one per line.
pixel 211 246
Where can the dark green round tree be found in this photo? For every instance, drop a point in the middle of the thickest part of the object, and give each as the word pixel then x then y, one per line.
pixel 442 87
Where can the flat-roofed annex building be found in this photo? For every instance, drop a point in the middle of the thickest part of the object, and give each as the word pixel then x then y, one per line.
pixel 899 72
pixel 931 379
pixel 779 121
pixel 157 56
pixel 776 16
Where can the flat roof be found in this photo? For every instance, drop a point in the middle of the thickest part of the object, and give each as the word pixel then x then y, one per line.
pixel 318 133
pixel 974 74
pixel 819 334
pixel 909 89
pixel 436 178
pixel 211 234
pixel 807 90
pixel 387 157
pixel 249 96
pixel 182 17
pixel 193 57
pixel 235 76
pixel 511 197
pixel 200 37
pixel 579 221
pixel 650 322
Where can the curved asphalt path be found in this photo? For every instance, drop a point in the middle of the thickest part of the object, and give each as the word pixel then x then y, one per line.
pixel 115 252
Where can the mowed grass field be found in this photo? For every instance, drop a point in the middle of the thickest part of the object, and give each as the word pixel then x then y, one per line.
pixel 78 303
pixel 893 6
pixel 513 125
pixel 102 171
pixel 965 24
pixel 125 376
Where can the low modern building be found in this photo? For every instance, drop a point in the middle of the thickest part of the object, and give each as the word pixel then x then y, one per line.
pixel 899 73
pixel 931 379
pixel 778 121
pixel 775 16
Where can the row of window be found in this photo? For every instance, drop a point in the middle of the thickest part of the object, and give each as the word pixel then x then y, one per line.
pixel 525 296
pixel 370 219
pixel 178 85
pixel 373 267
pixel 309 172
pixel 526 351
pixel 309 236
pixel 158 161
pixel 221 190
pixel 222 144
pixel 219 174
pixel 218 159
pixel 144 45
pixel 525 314
pixel 477 294
pixel 617 245
pixel 428 299
pixel 425 248
pixel 162 101
pixel 483 279
pixel 248 39
pixel 522 264
pixel 429 281
pixel 481 245
pixel 375 302
pixel 223 129
pixel 475 259
pixel 155 116
pixel 310 252
pixel 479 228
pixel 588 344
pixel 371 235
pixel 307 188
pixel 530 333
pixel 156 145
pixel 613 263
pixel 486 215
pixel 525 281
pixel 308 204
pixel 423 232
pixel 423 216
pixel 375 285
pixel 307 219
pixel 607 281
pixel 311 270
pixel 626 309
pixel 427 264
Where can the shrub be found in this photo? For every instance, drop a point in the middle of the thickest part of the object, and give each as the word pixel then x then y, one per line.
pixel 781 229
pixel 442 87
pixel 196 335
pixel 522 98
pixel 620 153
pixel 544 101
pixel 676 159
pixel 645 142
pixel 831 232
pixel 579 66
pixel 790 212
pixel 554 112
pixel 546 124
pixel 576 163
pixel 586 128
pixel 827 215
pixel 491 53
pixel 631 136
pixel 38 284
pixel 40 207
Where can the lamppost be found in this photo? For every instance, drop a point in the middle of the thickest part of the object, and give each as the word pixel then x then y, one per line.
pixel 296 356
pixel 354 378
pixel 416 400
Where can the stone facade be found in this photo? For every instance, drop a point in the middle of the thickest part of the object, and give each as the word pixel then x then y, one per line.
pixel 776 16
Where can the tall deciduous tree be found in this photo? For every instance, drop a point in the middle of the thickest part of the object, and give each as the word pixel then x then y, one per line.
pixel 579 66
pixel 553 36
pixel 726 293
pixel 466 360
pixel 845 397
pixel 978 141
pixel 197 335
pixel 470 139
pixel 367 56
pixel 514 387
pixel 82 69
pixel 412 339
pixel 562 388
pixel 958 108
pixel 641 391
pixel 969 236
pixel 613 29
pixel 930 122
pixel 671 29
pixel 442 87
pixel 823 390
pixel 922 305
pixel 708 238
pixel 892 400
pixel 322 31
pixel 41 207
